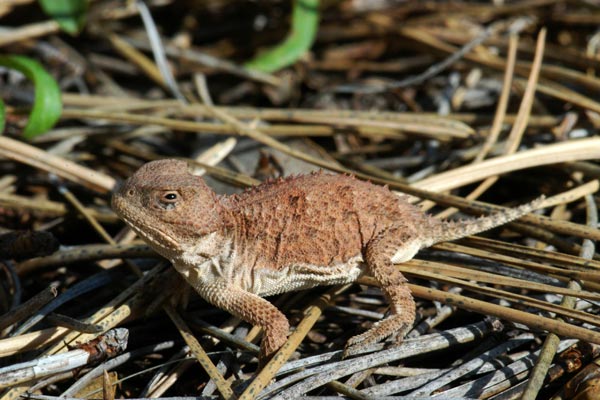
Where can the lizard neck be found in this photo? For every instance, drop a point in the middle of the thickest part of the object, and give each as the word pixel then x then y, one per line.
pixel 212 246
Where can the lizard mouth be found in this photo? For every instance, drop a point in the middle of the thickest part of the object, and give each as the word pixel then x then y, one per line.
pixel 156 237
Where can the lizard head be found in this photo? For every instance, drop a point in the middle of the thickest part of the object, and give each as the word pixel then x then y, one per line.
pixel 167 206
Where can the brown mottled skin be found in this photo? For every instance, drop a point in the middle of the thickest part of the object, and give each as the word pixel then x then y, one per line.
pixel 284 235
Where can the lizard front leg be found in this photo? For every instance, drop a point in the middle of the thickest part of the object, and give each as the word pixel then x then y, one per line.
pixel 252 309
pixel 393 246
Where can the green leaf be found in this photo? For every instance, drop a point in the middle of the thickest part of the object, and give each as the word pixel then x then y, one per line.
pixel 305 20
pixel 47 104
pixel 69 14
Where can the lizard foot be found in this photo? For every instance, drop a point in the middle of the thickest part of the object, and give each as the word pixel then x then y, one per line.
pixel 393 325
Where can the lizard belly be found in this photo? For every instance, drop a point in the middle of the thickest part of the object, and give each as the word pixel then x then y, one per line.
pixel 268 282
pixel 200 269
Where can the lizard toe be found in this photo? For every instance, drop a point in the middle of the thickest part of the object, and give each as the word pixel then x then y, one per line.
pixel 391 326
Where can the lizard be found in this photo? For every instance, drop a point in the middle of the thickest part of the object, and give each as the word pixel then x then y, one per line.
pixel 284 235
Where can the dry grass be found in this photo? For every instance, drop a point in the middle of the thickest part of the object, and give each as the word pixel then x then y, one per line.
pixel 466 107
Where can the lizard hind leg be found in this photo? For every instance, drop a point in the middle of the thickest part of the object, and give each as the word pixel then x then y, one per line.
pixel 390 247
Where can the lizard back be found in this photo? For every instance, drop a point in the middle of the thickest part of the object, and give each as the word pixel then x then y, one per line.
pixel 318 219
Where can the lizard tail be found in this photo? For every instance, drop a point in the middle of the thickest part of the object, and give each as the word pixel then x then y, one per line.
pixel 452 230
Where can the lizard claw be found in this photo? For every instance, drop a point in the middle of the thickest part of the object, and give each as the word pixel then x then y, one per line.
pixel 378 333
pixel 350 351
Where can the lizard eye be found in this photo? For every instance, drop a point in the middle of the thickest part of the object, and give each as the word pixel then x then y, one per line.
pixel 168 200
pixel 170 196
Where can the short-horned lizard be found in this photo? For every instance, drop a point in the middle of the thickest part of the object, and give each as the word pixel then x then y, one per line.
pixel 283 235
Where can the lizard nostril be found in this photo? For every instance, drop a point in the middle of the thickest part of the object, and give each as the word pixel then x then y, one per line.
pixel 130 192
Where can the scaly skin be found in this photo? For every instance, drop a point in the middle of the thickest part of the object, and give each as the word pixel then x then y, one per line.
pixel 285 235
